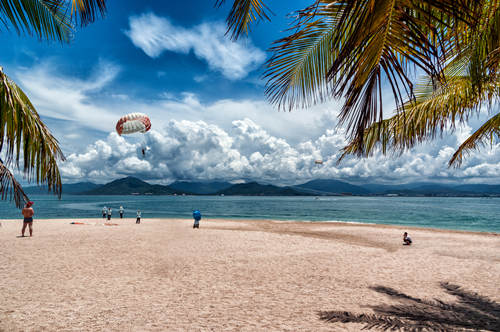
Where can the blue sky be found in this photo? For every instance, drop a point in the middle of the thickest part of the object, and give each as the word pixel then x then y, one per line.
pixel 205 97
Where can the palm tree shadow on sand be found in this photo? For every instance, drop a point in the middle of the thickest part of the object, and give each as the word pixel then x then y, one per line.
pixel 471 312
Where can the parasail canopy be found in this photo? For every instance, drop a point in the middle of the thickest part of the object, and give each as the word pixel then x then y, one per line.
pixel 318 162
pixel 133 123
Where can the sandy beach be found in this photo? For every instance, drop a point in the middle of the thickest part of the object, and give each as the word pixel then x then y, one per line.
pixel 251 275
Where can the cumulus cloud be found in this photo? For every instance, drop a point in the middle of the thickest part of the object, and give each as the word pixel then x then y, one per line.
pixel 154 35
pixel 196 150
pixel 226 139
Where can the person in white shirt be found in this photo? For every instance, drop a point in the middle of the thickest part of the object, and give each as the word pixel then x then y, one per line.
pixel 406 239
pixel 109 213
pixel 104 212
pixel 138 220
pixel 121 212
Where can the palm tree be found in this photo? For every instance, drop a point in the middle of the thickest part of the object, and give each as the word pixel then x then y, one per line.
pixel 23 135
pixel 351 48
pixel 471 84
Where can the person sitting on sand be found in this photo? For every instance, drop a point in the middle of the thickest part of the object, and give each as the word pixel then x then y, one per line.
pixel 406 239
pixel 28 213
pixel 109 213
pixel 138 220
pixel 197 218
pixel 121 212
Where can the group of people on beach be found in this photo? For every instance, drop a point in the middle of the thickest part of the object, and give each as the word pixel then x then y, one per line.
pixel 28 214
pixel 108 211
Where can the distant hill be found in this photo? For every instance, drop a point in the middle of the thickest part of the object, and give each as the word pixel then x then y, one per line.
pixel 479 188
pixel 70 189
pixel 328 187
pixel 200 188
pixel 131 185
pixel 256 189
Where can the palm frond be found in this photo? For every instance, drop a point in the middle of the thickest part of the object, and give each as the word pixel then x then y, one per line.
pixel 87 11
pixel 371 42
pixel 296 72
pixel 482 51
pixel 242 14
pixel 10 188
pixel 489 131
pixel 22 133
pixel 436 109
pixel 47 19
pixel 470 82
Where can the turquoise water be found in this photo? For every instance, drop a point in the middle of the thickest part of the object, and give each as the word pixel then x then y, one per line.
pixel 477 214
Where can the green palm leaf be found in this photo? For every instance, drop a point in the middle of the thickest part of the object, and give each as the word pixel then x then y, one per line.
pixel 296 72
pixel 47 19
pixel 490 130
pixel 22 133
pixel 371 42
pixel 9 187
pixel 242 14
pixel 471 82
pixel 436 109
pixel 87 11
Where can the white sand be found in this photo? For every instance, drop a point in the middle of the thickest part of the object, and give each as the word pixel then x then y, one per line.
pixel 228 275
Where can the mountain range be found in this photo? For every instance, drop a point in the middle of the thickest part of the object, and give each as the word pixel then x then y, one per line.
pixel 325 187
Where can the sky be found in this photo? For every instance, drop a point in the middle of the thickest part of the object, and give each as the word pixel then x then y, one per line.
pixel 205 97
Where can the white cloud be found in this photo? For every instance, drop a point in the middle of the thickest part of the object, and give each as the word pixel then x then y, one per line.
pixel 196 150
pixel 72 107
pixel 67 98
pixel 154 35
pixel 226 139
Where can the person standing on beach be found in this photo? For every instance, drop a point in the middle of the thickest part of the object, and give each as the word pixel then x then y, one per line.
pixel 138 220
pixel 121 212
pixel 104 212
pixel 28 213
pixel 109 213
pixel 197 218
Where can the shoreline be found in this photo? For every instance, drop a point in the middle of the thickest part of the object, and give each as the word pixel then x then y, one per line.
pixel 243 220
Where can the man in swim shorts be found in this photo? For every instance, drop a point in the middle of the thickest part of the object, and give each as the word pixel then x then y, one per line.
pixel 28 213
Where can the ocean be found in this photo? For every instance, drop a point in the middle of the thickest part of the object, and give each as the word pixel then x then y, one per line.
pixel 457 213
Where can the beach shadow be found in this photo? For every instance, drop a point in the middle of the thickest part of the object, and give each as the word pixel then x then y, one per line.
pixel 471 312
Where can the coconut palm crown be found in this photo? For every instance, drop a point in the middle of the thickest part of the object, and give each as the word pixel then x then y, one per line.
pixel 351 49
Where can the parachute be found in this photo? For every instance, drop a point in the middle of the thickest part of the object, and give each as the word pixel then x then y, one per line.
pixel 133 123
pixel 318 162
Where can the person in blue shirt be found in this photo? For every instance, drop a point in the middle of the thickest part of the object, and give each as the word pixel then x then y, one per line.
pixel 197 218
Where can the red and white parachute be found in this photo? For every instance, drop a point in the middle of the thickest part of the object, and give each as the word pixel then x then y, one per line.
pixel 133 123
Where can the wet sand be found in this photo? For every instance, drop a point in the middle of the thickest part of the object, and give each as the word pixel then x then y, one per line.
pixel 251 275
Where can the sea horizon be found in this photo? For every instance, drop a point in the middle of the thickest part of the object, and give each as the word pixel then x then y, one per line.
pixel 477 214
